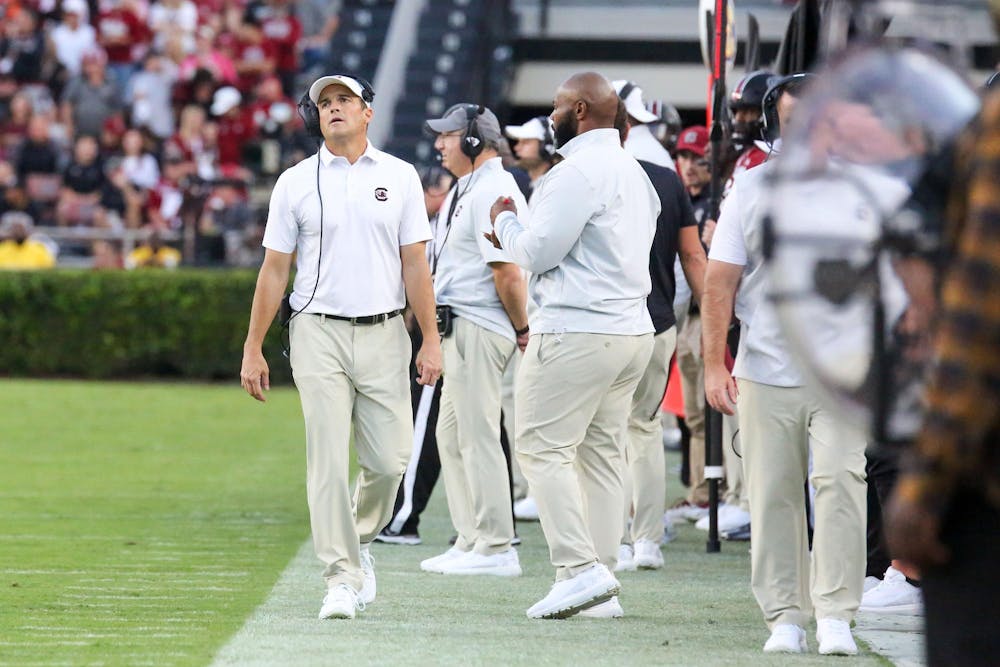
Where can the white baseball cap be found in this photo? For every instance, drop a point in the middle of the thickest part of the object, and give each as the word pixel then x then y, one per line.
pixel 351 83
pixel 633 101
pixel 225 99
pixel 533 129
pixel 75 7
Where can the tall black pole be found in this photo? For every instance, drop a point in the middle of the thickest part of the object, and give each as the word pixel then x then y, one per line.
pixel 713 420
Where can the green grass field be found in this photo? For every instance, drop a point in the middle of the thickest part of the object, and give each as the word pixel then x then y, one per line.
pixel 144 523
pixel 141 522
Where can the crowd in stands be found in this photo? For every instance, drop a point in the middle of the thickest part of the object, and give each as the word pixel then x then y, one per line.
pixel 129 117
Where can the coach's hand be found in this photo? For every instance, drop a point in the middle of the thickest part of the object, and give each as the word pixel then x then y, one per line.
pixel 428 361
pixel 499 206
pixel 720 388
pixel 254 374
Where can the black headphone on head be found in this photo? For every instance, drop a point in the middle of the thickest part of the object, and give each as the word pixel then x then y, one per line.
pixel 771 129
pixel 472 144
pixel 309 112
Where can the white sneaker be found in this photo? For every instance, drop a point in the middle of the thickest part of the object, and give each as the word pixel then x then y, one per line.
pixel 893 595
pixel 610 609
pixel 368 589
pixel 648 555
pixel 684 511
pixel 589 588
pixel 731 517
pixel 870 583
pixel 504 564
pixel 834 637
pixel 341 601
pixel 434 564
pixel 626 559
pixel 786 638
pixel 525 509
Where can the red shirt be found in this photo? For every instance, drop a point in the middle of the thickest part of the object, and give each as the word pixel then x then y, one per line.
pixel 233 133
pixel 283 33
pixel 117 23
pixel 246 52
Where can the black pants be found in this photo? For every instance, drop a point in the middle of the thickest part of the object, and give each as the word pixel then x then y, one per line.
pixel 416 487
pixel 882 469
pixel 960 599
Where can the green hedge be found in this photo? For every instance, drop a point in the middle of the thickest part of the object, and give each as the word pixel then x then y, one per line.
pixel 99 324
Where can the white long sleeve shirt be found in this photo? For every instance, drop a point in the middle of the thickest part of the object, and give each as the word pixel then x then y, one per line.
pixel 592 224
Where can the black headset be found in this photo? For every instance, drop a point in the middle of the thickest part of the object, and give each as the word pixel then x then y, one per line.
pixel 769 104
pixel 547 148
pixel 309 112
pixel 472 144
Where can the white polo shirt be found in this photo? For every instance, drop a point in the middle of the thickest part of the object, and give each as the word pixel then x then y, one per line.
pixel 592 224
pixel 830 208
pixel 464 279
pixel 370 209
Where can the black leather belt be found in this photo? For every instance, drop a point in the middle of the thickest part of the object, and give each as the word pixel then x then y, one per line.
pixel 365 319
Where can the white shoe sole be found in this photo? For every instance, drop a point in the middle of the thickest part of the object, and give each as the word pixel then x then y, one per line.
pixel 400 539
pixel 573 608
pixel 502 571
pixel 838 650
pixel 899 609
pixel 649 565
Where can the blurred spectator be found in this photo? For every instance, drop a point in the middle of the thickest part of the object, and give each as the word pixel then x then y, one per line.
pixel 83 182
pixel 14 128
pixel 107 255
pixel 112 132
pixel 22 47
pixel 18 251
pixel 235 125
pixel 163 205
pixel 173 21
pixel 275 119
pixel 89 100
pixel 124 36
pixel 38 164
pixel 74 36
pixel 254 57
pixel 139 166
pixel 124 202
pixel 320 20
pixel 282 31
pixel 153 254
pixel 209 58
pixel 187 145
pixel 149 96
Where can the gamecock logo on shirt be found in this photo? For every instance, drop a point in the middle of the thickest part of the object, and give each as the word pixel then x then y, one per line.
pixel 381 194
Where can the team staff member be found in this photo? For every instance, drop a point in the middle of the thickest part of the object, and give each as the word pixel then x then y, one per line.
pixel 784 429
pixel 484 291
pixel 535 147
pixel 592 224
pixel 676 238
pixel 355 218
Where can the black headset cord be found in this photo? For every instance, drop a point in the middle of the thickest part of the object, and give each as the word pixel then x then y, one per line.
pixel 286 342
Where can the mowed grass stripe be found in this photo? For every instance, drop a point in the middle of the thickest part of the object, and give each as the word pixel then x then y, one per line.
pixel 142 522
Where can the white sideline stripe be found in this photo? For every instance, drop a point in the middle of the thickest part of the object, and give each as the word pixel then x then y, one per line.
pixel 419 432
pixel 285 626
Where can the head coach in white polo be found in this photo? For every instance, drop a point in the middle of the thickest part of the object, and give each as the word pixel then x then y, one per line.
pixel 485 292
pixel 355 217
pixel 592 224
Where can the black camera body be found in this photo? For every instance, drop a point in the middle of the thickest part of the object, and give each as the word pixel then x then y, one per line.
pixel 445 320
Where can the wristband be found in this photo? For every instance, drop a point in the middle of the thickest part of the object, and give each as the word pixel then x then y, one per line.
pixel 521 332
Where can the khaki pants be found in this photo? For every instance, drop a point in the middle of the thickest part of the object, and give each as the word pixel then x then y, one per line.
pixel 692 371
pixel 778 425
pixel 645 472
pixel 573 397
pixel 735 492
pixel 507 394
pixel 468 435
pixel 351 376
